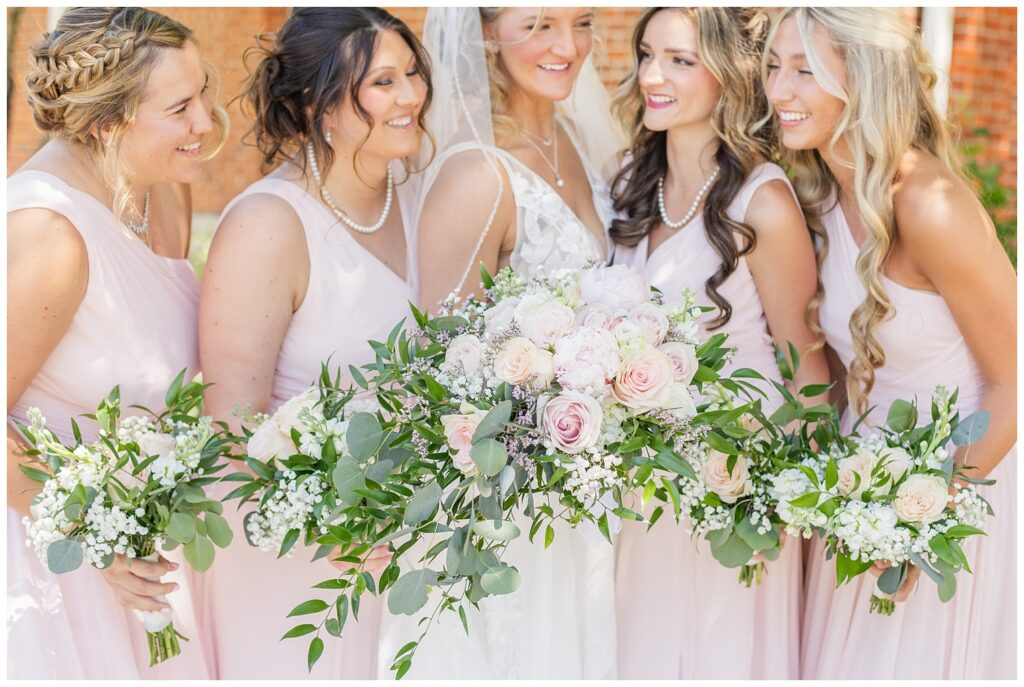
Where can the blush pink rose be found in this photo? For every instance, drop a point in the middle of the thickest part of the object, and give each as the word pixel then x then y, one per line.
pixel 643 381
pixel 520 362
pixel 572 421
pixel 684 360
pixel 545 322
pixel 459 430
pixel 651 320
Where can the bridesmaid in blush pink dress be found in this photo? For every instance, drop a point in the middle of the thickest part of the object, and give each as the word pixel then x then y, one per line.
pixel 92 305
pixel 682 615
pixel 932 261
pixel 306 265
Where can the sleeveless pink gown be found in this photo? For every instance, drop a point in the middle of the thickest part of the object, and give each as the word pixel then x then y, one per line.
pixel 352 297
pixel 974 635
pixel 681 614
pixel 136 327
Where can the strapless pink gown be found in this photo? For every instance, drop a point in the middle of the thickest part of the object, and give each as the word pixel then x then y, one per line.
pixel 351 297
pixel 681 614
pixel 135 327
pixel 974 635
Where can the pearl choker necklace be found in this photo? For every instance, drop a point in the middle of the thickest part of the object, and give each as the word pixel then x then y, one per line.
pixel 141 229
pixel 362 229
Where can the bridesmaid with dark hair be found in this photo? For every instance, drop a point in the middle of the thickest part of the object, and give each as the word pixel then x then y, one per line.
pixel 306 265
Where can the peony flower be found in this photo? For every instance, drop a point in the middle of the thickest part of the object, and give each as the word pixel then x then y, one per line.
pixel 860 463
pixel 684 360
pixel 501 315
pixel 618 287
pixel 459 430
pixel 921 499
pixel 586 360
pixel 652 322
pixel 520 361
pixel 717 478
pixel 643 380
pixel 596 316
pixel 571 420
pixel 897 462
pixel 464 350
pixel 544 322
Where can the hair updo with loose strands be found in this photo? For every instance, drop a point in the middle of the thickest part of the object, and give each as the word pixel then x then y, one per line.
pixel 88 75
pixel 306 69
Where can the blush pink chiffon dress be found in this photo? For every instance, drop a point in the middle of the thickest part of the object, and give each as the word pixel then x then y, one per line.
pixel 351 297
pixel 135 327
pixel 681 614
pixel 974 635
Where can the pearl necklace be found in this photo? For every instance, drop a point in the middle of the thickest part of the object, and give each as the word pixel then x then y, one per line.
pixel 362 229
pixel 693 208
pixel 141 229
pixel 559 181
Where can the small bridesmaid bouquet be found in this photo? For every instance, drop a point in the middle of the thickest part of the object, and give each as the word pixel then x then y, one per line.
pixel 892 497
pixel 728 496
pixel 140 485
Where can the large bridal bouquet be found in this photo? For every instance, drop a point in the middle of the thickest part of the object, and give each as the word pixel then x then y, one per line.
pixel 892 496
pixel 139 485
pixel 545 401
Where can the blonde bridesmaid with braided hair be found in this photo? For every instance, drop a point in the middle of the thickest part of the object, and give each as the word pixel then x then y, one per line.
pixel 918 293
pixel 100 294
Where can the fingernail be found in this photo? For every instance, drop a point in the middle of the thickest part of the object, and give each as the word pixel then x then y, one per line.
pixel 174 566
pixel 175 587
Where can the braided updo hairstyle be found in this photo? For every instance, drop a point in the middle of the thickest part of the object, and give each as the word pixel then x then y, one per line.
pixel 88 76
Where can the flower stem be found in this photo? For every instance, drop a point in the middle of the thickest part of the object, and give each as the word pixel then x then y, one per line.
pixel 164 644
pixel 882 606
pixel 751 574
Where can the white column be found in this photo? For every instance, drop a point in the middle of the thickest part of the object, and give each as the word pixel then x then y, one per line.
pixel 937 32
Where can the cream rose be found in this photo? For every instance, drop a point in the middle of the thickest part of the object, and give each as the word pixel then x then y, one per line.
pixel 157 444
pixel 717 478
pixel 572 420
pixel 520 361
pixel 684 360
pixel 618 287
pixel 921 499
pixel 268 441
pixel 287 416
pixel 545 322
pixel 897 462
pixel 643 380
pixel 586 360
pixel 464 350
pixel 459 430
pixel 860 463
pixel 501 315
pixel 652 322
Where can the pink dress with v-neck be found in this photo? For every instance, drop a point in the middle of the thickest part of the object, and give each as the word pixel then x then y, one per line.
pixel 681 615
pixel 973 636
pixel 135 327
pixel 352 297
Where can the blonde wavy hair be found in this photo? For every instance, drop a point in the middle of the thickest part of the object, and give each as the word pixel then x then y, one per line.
pixel 501 87
pixel 88 75
pixel 889 108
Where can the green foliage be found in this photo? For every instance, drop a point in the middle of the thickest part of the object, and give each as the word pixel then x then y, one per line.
pixel 995 197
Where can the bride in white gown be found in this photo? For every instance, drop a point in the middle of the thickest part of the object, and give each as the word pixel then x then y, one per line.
pixel 522 127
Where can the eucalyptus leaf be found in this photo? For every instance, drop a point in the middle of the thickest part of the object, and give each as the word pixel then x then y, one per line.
pixel 422 504
pixel 379 470
pixel 902 416
pixel 364 435
pixel 182 527
pixel 64 555
pixel 972 428
pixel 746 531
pixel 926 568
pixel 218 530
pixel 199 553
pixel 506 531
pixel 501 580
pixel 489 506
pixel 734 553
pixel 490 456
pixel 505 479
pixel 409 594
pixel 892 579
pixel 347 477
pixel 494 422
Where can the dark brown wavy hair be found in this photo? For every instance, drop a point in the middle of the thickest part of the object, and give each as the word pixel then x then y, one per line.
pixel 728 47
pixel 319 56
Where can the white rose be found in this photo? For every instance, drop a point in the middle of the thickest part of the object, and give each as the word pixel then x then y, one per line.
pixel 860 463
pixel 897 462
pixel 651 320
pixel 544 322
pixel 520 361
pixel 619 287
pixel 268 441
pixel 921 499
pixel 680 403
pixel 717 478
pixel 586 360
pixel 501 315
pixel 684 360
pixel 287 416
pixel 156 444
pixel 464 350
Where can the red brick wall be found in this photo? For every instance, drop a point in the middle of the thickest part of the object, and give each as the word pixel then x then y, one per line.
pixel 983 80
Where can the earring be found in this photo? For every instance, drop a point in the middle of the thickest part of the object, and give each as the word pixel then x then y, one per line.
pixel 492 47
pixel 327 136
